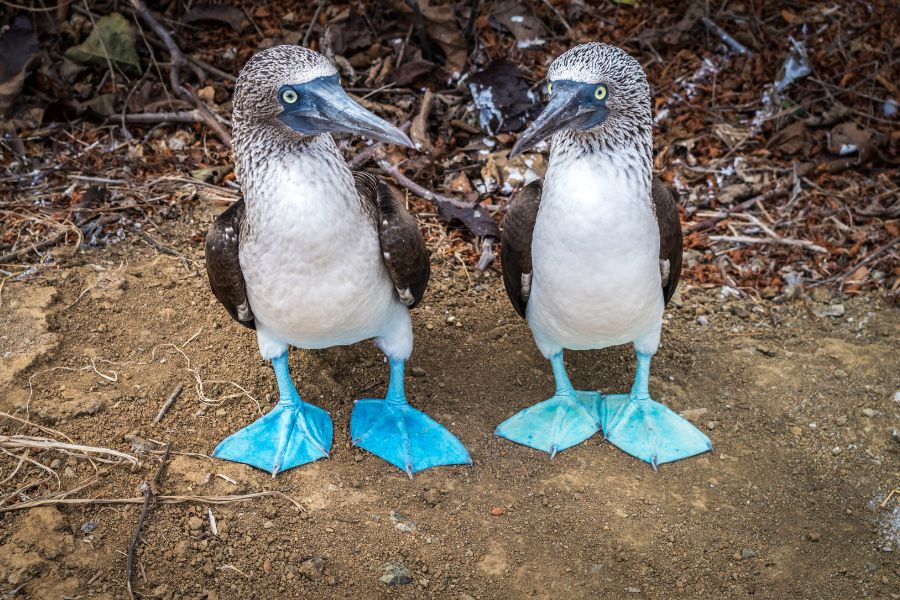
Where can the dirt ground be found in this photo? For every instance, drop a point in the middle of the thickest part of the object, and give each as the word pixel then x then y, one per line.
pixel 802 408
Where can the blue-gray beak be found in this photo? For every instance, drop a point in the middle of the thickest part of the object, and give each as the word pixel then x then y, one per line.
pixel 571 106
pixel 322 106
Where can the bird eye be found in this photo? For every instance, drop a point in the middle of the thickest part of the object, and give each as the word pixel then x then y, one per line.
pixel 550 88
pixel 289 96
pixel 600 92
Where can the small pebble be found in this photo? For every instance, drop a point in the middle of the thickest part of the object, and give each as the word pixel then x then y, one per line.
pixel 869 412
pixel 840 374
pixel 312 568
pixel 402 522
pixel 814 536
pixel 836 450
pixel 395 574
pixel 703 320
pixel 498 511
pixel 748 553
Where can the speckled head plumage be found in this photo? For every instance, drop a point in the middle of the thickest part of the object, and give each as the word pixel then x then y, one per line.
pixel 599 96
pixel 287 95
pixel 255 93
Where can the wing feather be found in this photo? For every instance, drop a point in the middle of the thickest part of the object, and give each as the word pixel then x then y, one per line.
pixel 515 244
pixel 223 265
pixel 402 247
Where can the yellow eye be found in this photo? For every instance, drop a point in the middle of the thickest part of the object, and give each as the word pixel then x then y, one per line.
pixel 600 92
pixel 550 88
pixel 289 96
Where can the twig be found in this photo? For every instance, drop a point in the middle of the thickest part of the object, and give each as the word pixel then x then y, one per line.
pixel 370 152
pixel 14 442
pixel 312 23
pixel 165 407
pixel 737 208
pixel 21 252
pixel 745 239
pixel 150 489
pixel 558 15
pixel 487 254
pixel 732 43
pixel 178 61
pixel 417 189
pixel 852 268
pixel 182 116
pixel 159 500
pixel 418 131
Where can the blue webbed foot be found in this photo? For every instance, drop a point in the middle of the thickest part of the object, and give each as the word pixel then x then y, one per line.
pixel 568 418
pixel 645 428
pixel 291 434
pixel 403 436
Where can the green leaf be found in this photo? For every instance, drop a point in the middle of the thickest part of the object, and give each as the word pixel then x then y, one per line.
pixel 112 38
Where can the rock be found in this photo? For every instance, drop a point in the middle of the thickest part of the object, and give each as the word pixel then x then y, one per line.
pixel 418 372
pixel 833 310
pixel 312 568
pixel 703 320
pixel 821 294
pixel 711 425
pixel 498 511
pixel 694 414
pixel 395 574
pixel 869 412
pixel 739 311
pixel 195 523
pixel 836 451
pixel 89 527
pixel 840 374
pixel 747 554
pixel 402 522
pixel 814 536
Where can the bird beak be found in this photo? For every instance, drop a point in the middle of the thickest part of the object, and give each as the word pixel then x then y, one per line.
pixel 324 107
pixel 569 108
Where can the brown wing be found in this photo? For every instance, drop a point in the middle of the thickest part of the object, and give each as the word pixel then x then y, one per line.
pixel 515 244
pixel 669 236
pixel 402 246
pixel 223 266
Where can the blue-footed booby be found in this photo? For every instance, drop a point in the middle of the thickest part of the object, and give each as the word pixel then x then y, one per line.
pixel 315 255
pixel 592 255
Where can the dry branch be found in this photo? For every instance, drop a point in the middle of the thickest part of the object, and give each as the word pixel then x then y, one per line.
pixel 178 62
pixel 150 489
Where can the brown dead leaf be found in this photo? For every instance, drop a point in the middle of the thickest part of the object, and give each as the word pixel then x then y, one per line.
pixel 790 140
pixel 18 46
pixel 511 16
pixel 216 13
pixel 443 28
pixel 849 138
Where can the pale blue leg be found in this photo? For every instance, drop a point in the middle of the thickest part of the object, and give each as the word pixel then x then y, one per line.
pixel 568 418
pixel 403 436
pixel 646 429
pixel 291 434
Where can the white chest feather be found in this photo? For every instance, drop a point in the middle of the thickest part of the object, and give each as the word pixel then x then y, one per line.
pixel 595 251
pixel 311 257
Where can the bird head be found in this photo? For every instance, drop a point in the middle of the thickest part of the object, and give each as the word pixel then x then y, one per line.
pixel 298 92
pixel 594 88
